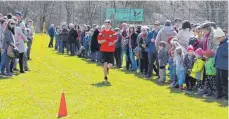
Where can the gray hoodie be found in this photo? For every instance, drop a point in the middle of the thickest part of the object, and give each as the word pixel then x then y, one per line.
pixel 163 35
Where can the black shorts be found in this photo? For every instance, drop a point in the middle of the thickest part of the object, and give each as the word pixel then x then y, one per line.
pixel 108 57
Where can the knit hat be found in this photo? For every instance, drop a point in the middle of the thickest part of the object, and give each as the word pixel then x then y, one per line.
pixel 157 23
pixel 218 32
pixel 209 53
pixel 19 14
pixel 167 23
pixel 199 52
pixel 190 48
pixel 169 39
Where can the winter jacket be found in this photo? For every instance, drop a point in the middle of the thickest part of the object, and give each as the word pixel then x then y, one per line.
pixel 163 35
pixel 140 42
pixel 188 63
pixel 221 58
pixel 8 39
pixel 179 63
pixel 118 44
pixel 20 38
pixel 64 35
pixel 72 36
pixel 209 67
pixel 1 37
pixel 162 57
pixel 198 69
pixel 183 37
pixel 86 41
pixel 151 45
pixel 94 41
pixel 51 32
pixel 133 40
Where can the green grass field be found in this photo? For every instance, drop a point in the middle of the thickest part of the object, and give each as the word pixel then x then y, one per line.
pixel 36 95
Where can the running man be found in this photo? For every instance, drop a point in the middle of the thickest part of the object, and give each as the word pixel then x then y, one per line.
pixel 107 38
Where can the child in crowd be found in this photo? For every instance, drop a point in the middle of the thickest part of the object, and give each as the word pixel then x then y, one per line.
pixel 221 64
pixel 180 71
pixel 172 68
pixel 210 72
pixel 162 58
pixel 86 41
pixel 197 72
pixel 188 64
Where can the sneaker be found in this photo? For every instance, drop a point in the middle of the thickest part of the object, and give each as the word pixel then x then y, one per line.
pixel 9 75
pixel 27 70
pixel 22 72
pixel 15 69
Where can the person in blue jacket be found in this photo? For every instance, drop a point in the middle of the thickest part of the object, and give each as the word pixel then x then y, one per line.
pixel 152 51
pixel 221 64
pixel 51 33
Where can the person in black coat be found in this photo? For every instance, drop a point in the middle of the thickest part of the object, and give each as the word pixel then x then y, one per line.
pixel 94 44
pixel 72 37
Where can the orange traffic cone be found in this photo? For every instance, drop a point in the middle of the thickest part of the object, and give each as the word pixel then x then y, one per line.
pixel 63 108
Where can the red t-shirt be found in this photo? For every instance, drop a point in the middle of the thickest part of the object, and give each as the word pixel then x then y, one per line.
pixel 109 36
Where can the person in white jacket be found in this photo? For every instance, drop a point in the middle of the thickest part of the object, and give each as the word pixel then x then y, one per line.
pixel 20 38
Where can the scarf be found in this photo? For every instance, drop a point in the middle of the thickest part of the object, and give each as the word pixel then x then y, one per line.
pixel 205 42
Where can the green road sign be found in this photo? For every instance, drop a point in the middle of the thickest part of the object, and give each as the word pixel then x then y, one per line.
pixel 124 14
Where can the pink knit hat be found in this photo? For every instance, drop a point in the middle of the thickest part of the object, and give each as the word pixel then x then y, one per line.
pixel 190 48
pixel 199 52
pixel 209 53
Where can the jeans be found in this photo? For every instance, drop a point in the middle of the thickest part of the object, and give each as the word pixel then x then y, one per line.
pixel 86 51
pixel 132 59
pixel 99 56
pixel 64 44
pixel 73 48
pixel 181 77
pixel 78 45
pixel 222 82
pixel 60 46
pixel 51 42
pixel 152 57
pixel 29 44
pixel 5 62
pixel 25 61
pixel 57 44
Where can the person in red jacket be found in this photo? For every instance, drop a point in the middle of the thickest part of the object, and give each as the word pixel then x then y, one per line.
pixel 107 38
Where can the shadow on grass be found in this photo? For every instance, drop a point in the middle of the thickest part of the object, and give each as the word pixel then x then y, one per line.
pixel 153 79
pixel 102 84
pixel 209 99
pixel 5 77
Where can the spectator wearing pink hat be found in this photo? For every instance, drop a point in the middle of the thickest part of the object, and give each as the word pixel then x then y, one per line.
pixel 197 72
pixel 188 64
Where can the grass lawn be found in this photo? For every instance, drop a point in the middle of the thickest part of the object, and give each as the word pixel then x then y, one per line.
pixel 36 95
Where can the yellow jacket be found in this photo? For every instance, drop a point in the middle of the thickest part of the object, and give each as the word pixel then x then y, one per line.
pixel 198 69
